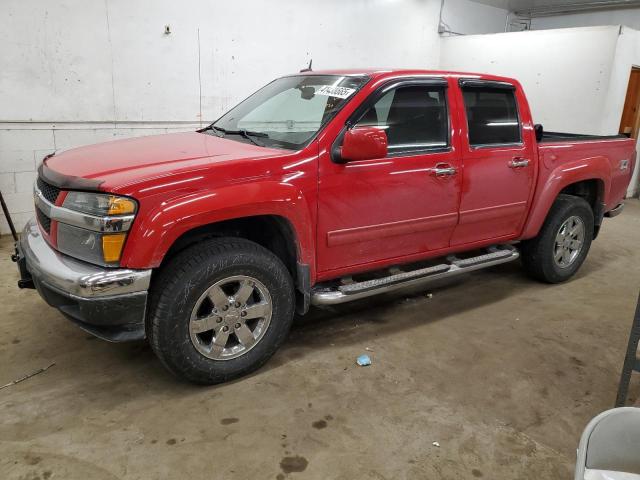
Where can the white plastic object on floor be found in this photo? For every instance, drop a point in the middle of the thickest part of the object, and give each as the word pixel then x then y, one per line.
pixel 610 446
pixel 608 475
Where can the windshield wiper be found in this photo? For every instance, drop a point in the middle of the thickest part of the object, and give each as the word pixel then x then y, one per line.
pixel 214 129
pixel 248 134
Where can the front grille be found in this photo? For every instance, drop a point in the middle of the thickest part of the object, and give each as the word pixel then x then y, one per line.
pixel 43 220
pixel 48 191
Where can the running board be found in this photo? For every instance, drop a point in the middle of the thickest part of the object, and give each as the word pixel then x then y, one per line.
pixel 453 266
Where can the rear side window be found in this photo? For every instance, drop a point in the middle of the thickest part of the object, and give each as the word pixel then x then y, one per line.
pixel 492 116
pixel 413 117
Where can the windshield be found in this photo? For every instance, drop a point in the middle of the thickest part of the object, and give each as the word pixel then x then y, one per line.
pixel 289 111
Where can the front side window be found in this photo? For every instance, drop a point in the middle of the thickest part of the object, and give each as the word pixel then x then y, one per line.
pixel 492 116
pixel 413 117
pixel 289 111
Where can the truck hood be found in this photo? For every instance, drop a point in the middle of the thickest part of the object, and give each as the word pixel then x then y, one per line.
pixel 110 165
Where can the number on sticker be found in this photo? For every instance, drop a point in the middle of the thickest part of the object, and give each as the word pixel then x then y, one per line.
pixel 331 91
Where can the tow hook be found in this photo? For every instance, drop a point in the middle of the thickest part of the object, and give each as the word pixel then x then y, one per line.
pixel 28 283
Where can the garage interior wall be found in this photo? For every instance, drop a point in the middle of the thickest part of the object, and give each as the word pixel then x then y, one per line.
pixel 575 78
pixel 77 72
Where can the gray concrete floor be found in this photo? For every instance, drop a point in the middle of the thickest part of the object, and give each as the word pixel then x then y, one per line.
pixel 502 371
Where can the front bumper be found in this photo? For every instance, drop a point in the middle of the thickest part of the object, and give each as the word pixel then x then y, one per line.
pixel 109 303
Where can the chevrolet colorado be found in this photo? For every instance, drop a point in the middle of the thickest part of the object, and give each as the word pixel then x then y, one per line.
pixel 318 189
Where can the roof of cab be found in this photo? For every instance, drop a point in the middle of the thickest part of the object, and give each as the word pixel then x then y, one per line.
pixel 392 72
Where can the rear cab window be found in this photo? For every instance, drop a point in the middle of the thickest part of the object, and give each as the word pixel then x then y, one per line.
pixel 491 110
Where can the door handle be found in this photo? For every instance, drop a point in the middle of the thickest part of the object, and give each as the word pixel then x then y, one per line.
pixel 518 162
pixel 443 170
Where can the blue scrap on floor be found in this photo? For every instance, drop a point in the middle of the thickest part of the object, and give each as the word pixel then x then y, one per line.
pixel 363 360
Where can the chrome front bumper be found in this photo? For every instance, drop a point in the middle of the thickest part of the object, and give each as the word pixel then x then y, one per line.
pixel 109 303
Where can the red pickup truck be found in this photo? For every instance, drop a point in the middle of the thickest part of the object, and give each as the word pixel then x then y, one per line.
pixel 318 189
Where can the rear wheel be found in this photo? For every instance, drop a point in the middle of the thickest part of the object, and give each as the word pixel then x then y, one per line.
pixel 560 248
pixel 219 310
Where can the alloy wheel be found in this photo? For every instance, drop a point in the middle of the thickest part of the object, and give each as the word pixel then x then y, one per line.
pixel 569 241
pixel 230 317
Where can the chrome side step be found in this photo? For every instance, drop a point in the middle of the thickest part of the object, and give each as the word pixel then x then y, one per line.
pixel 348 292
pixel 615 211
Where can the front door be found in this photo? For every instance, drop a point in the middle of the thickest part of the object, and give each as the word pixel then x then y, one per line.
pixel 498 162
pixel 386 210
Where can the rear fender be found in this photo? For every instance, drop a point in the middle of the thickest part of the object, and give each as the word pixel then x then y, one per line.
pixel 594 168
pixel 159 228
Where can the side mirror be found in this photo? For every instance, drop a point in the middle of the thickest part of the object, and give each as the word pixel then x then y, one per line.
pixel 364 143
pixel 537 128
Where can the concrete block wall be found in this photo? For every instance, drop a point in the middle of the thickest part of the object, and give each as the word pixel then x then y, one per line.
pixel 22 147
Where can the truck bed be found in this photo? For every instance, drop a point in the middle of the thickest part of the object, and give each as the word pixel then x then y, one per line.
pixel 614 153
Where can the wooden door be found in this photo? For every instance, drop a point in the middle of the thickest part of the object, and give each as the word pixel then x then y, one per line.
pixel 630 121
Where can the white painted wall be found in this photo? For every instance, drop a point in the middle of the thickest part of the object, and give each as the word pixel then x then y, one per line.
pixel 74 60
pixel 75 72
pixel 565 73
pixel 575 79
pixel 627 55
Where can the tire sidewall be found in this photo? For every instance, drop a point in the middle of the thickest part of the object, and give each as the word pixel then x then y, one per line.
pixel 172 331
pixel 566 209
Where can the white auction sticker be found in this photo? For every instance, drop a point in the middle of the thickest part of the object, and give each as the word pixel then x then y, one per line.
pixel 331 91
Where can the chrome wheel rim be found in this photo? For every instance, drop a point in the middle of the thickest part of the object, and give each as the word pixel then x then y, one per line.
pixel 230 317
pixel 569 242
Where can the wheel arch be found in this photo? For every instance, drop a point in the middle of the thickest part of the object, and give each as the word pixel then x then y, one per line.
pixel 590 183
pixel 159 227
pixel 592 190
pixel 273 214
pixel 273 232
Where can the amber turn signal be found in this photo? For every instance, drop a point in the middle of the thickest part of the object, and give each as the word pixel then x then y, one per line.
pixel 121 206
pixel 112 246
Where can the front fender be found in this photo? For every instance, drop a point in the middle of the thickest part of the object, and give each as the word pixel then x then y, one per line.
pixel 159 228
pixel 593 168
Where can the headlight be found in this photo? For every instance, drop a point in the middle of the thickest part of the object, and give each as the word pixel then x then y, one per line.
pixel 99 204
pixel 94 227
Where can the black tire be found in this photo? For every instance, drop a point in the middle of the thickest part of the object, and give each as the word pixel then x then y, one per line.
pixel 183 281
pixel 538 253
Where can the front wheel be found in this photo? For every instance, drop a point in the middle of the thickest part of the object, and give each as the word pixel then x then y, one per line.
pixel 219 310
pixel 560 248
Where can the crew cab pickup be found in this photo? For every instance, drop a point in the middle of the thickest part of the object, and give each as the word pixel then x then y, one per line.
pixel 320 188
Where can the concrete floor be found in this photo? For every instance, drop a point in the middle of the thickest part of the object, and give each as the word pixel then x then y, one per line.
pixel 502 371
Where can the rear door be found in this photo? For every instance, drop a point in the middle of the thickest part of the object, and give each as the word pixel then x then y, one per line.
pixel 498 161
pixel 394 208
